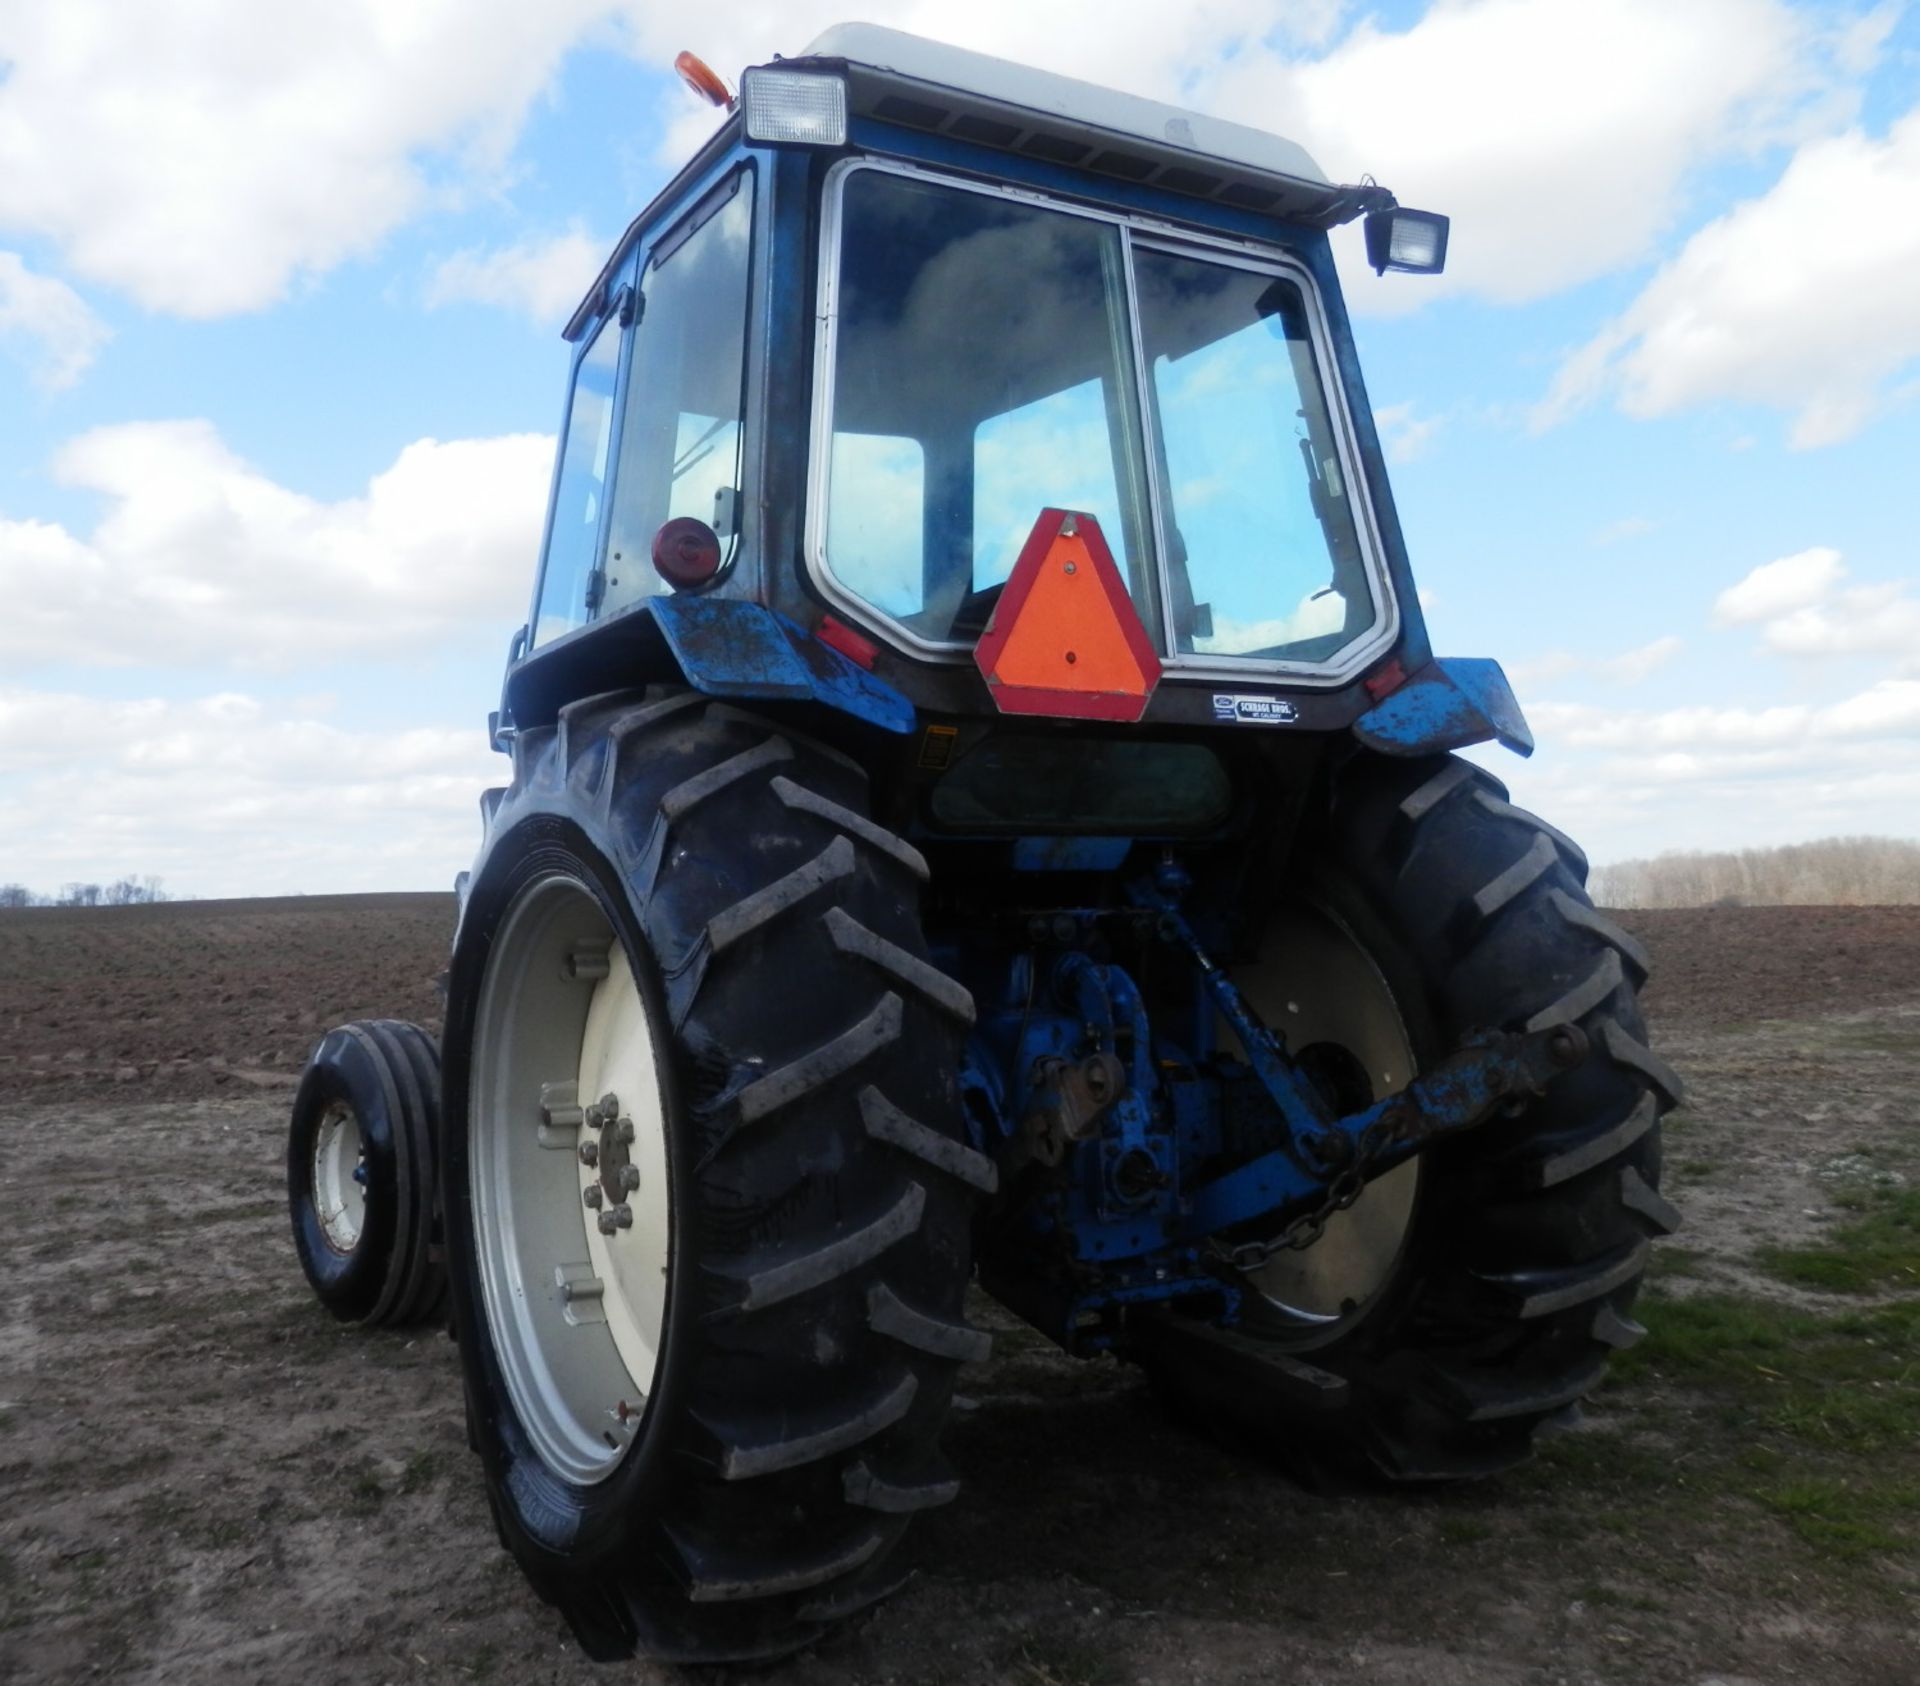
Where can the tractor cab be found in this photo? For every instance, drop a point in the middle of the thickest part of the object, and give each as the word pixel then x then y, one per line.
pixel 909 298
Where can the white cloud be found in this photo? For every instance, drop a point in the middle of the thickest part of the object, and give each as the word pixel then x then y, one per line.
pixel 46 324
pixel 1888 708
pixel 1803 299
pixel 1633 666
pixel 1630 667
pixel 94 790
pixel 1804 609
pixel 1776 588
pixel 545 279
pixel 201 154
pixel 1862 620
pixel 1405 434
pixel 1628 803
pixel 1633 782
pixel 1558 137
pixel 1629 783
pixel 200 558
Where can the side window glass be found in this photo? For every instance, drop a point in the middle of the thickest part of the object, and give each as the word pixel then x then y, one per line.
pixel 572 541
pixel 681 438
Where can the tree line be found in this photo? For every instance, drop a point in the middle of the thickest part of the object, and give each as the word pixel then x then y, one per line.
pixel 122 892
pixel 1850 871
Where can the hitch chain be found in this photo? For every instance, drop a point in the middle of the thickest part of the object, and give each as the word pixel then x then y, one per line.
pixel 1523 1064
pixel 1305 1230
pixel 1401 1126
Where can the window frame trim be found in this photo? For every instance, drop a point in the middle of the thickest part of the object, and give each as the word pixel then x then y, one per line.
pixel 1158 235
pixel 609 317
pixel 622 291
pixel 653 255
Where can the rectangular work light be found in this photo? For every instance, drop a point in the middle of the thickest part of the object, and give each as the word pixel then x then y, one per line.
pixel 1415 241
pixel 797 107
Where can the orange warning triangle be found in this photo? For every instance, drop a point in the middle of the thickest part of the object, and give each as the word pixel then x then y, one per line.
pixel 1065 638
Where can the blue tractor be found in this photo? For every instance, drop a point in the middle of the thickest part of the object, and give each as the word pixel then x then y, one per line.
pixel 982 804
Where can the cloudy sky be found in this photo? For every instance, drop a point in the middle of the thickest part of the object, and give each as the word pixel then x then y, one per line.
pixel 280 294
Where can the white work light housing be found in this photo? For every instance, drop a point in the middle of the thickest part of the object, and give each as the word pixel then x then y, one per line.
pixel 794 107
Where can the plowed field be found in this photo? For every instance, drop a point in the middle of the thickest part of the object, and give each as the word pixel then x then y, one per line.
pixel 203 1477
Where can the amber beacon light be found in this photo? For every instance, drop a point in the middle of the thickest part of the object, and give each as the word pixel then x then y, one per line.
pixel 704 80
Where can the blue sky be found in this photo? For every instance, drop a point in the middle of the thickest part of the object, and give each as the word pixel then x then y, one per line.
pixel 279 368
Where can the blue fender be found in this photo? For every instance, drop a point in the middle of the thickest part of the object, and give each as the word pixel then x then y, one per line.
pixel 729 648
pixel 1451 702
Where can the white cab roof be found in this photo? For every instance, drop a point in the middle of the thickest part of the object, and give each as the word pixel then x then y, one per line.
pixel 906 78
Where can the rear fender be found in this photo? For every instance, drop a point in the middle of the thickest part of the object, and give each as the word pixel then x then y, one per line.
pixel 721 647
pixel 1451 702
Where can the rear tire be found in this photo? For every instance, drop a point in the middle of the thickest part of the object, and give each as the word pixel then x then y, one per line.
pixel 811 1214
pixel 360 1173
pixel 1527 1237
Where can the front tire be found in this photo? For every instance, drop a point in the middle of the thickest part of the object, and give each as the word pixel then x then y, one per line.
pixel 1495 1299
pixel 360 1173
pixel 705 1431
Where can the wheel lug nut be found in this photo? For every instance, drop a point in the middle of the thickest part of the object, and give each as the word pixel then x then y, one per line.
pixel 589 1153
pixel 619 1217
pixel 591 1194
pixel 629 1177
pixel 623 1132
pixel 603 1111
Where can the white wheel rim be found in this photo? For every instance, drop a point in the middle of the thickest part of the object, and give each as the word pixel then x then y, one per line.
pixel 339 1173
pixel 576 1315
pixel 1315 983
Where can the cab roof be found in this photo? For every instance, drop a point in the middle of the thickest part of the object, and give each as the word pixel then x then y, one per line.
pixel 906 79
pixel 974 97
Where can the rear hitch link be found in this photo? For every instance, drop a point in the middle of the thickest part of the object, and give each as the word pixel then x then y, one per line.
pixel 1327 1160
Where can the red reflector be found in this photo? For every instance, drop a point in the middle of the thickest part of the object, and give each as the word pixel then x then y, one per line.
pixel 1386 680
pixel 686 551
pixel 1065 639
pixel 837 635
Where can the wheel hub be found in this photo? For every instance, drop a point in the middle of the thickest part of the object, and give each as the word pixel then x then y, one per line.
pixel 612 1157
pixel 1315 983
pixel 340 1178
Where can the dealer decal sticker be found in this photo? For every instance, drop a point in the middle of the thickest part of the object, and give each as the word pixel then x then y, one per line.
pixel 1254 711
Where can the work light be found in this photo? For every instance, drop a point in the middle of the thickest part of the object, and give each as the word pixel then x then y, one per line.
pixel 798 107
pixel 1415 241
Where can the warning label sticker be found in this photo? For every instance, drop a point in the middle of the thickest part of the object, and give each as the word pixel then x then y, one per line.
pixel 1254 711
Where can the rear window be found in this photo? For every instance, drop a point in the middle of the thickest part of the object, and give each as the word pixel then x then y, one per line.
pixel 982 372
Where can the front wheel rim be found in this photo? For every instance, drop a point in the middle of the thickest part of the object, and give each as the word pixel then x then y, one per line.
pixel 571 1205
pixel 340 1178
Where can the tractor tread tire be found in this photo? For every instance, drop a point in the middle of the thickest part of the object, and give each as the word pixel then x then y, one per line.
pixel 1530 1233
pixel 413 1292
pixel 388 1072
pixel 823 1187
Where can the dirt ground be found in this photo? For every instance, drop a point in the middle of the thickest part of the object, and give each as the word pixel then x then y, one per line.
pixel 202 1477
